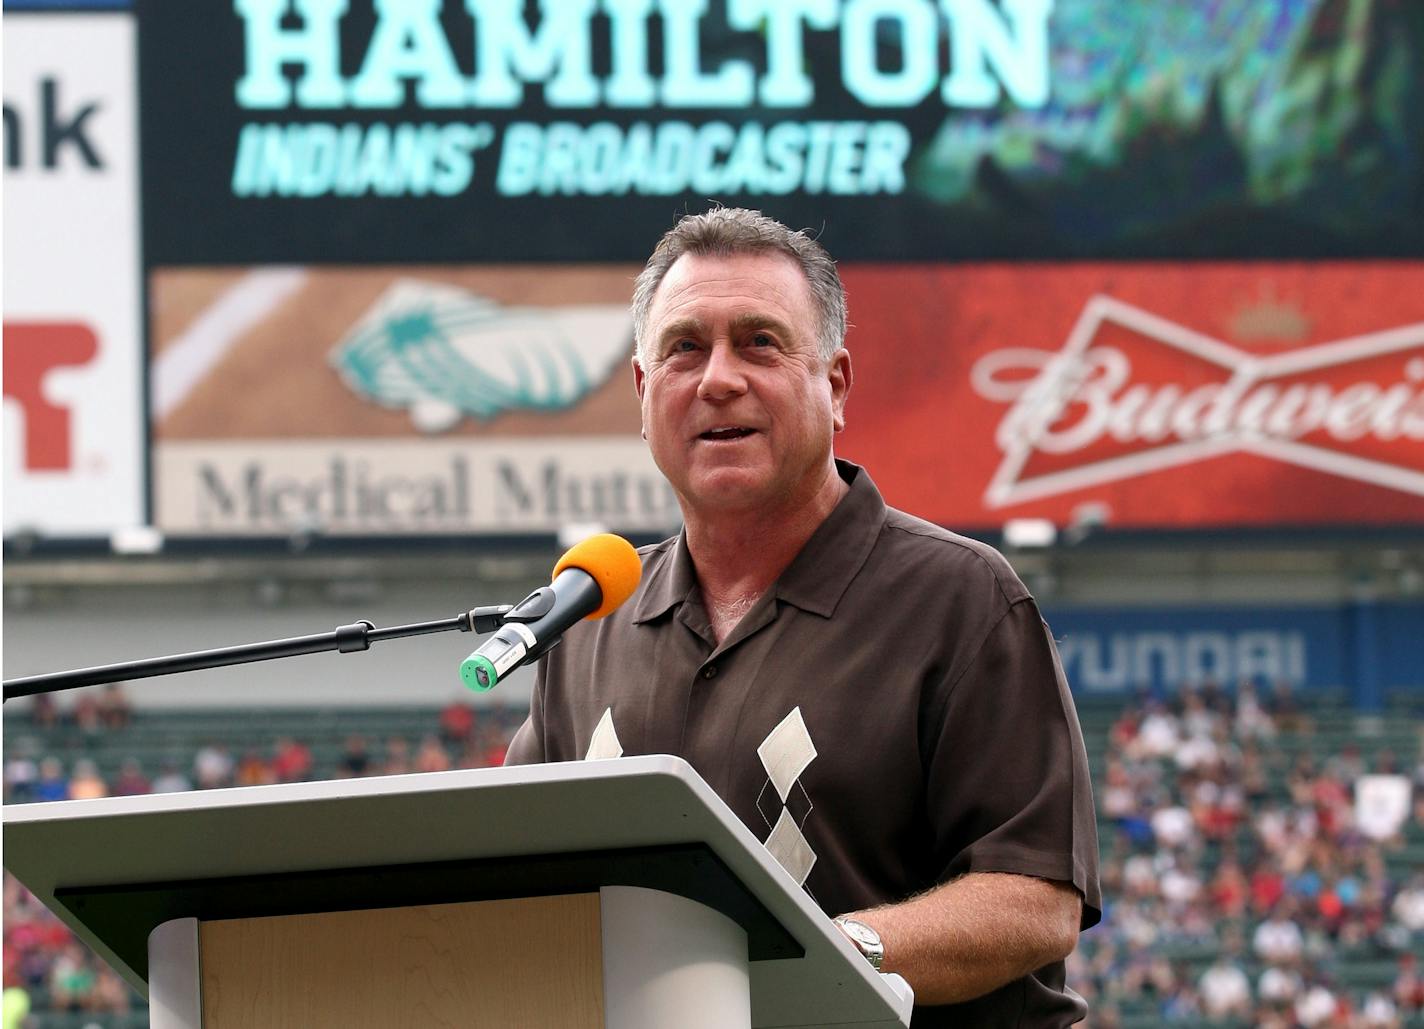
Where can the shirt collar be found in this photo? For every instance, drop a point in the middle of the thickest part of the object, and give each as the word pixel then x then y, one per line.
pixel 669 582
pixel 819 576
pixel 815 580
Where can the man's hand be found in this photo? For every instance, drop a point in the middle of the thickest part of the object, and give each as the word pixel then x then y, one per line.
pixel 970 936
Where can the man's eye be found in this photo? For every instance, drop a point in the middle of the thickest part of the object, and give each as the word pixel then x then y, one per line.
pixel 683 346
pixel 761 339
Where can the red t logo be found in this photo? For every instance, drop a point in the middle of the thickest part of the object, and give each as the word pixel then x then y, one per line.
pixel 31 350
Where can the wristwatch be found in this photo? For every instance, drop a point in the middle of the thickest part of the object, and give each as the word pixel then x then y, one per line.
pixel 864 937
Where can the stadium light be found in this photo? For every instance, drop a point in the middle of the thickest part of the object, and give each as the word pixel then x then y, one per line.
pixel 1028 533
pixel 136 539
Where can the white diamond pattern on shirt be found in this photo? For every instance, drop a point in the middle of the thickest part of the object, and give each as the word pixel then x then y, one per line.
pixel 785 754
pixel 605 742
pixel 790 848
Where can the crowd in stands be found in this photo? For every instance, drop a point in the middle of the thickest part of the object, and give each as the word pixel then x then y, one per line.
pixel 40 955
pixel 1239 873
pixel 1245 858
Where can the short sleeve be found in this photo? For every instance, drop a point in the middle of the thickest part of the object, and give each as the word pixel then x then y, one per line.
pixel 1007 781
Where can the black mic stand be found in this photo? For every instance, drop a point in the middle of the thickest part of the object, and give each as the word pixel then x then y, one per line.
pixel 346 639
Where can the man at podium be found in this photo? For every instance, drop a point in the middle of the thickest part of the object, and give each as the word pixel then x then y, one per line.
pixel 877 698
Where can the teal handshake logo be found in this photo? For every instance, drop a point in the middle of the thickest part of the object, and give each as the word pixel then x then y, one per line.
pixel 443 354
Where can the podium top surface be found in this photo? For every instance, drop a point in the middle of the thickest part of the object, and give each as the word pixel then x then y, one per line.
pixel 110 865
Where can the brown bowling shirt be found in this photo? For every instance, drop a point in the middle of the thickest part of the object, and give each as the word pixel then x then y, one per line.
pixel 890 715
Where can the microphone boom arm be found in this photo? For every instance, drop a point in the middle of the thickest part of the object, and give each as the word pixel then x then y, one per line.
pixel 346 639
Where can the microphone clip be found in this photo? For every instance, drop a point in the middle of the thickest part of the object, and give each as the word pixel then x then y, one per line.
pixel 484 619
pixel 533 607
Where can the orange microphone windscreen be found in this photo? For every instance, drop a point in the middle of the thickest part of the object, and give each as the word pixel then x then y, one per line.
pixel 613 564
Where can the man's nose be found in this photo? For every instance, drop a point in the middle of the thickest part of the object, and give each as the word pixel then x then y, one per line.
pixel 722 376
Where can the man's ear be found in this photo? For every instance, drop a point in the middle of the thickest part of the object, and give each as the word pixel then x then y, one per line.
pixel 639 378
pixel 841 378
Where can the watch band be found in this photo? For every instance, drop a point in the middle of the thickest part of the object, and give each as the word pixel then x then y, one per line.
pixel 865 938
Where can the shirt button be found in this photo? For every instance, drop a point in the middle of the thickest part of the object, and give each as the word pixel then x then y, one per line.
pixel 710 672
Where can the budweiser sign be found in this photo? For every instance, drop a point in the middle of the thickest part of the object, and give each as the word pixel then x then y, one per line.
pixel 1131 393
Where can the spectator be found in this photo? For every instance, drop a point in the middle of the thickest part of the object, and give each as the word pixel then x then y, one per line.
pixel 355 762
pixel 1216 809
pixel 1285 710
pixel 114 710
pixel 1178 882
pixel 1378 1012
pixel 21 771
pixel 397 760
pixel 52 783
pixel 1278 986
pixel 1316 1005
pixel 1229 890
pixel 432 756
pixel 110 994
pixel 1332 803
pixel 213 767
pixel 1253 721
pixel 71 977
pixel 1158 735
pixel 1301 782
pixel 1255 783
pixel 253 769
pixel 1278 939
pixel 1181 1005
pixel 87 783
pixel 1409 986
pixel 1118 799
pixel 1197 752
pixel 457 722
pixel 170 780
pixel 86 713
pixel 43 712
pixel 1172 824
pixel 1198 717
pixel 131 781
pixel 292 760
pixel 472 755
pixel 1408 906
pixel 1122 737
pixel 1225 990
pixel 496 744
pixel 1346 766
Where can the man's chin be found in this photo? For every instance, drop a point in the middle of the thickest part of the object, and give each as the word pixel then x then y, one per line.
pixel 728 489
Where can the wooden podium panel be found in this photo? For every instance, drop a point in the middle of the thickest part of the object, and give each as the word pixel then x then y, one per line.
pixel 536 961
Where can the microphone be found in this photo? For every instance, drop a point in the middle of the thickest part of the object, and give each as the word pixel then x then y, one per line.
pixel 590 580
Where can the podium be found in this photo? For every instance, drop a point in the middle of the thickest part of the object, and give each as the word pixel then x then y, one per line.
pixel 619 893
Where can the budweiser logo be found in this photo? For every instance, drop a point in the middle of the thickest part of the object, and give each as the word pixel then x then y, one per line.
pixel 1108 407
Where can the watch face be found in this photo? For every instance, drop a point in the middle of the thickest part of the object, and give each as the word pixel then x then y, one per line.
pixel 861 933
pixel 865 938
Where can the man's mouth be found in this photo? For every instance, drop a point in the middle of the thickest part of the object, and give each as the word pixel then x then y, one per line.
pixel 726 432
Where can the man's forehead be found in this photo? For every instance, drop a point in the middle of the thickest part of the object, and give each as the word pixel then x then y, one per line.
pixel 766 276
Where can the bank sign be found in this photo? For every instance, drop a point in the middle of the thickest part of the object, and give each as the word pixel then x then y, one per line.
pixel 74 432
pixel 419 130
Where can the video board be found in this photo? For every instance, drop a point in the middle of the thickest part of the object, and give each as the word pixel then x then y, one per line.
pixel 576 130
pixel 1156 266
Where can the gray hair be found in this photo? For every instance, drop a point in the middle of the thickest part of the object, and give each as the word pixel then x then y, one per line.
pixel 731 231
